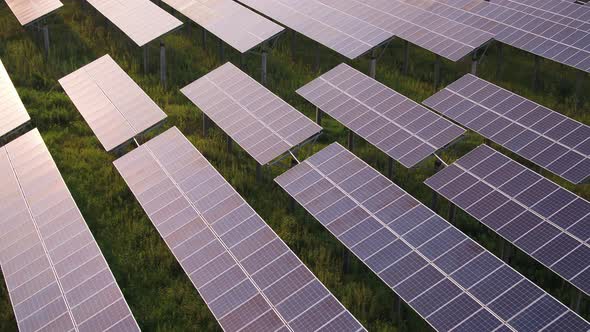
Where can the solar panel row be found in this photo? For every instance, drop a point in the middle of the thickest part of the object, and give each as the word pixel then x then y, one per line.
pixel 12 111
pixel 544 220
pixel 56 275
pixel 246 274
pixel 545 137
pixel 552 40
pixel 403 129
pixel 28 11
pixel 233 23
pixel 446 277
pixel 113 105
pixel 140 20
pixel 328 26
pixel 259 121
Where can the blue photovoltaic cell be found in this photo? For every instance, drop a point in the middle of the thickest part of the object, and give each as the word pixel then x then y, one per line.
pixel 544 220
pixel 446 277
pixel 245 273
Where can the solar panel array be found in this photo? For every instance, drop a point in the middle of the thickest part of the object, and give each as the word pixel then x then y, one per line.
pixel 55 273
pixel 567 12
pixel 246 274
pixel 259 121
pixel 235 24
pixel 331 27
pixel 544 220
pixel 12 111
pixel 140 20
pixel 447 278
pixel 113 105
pixel 561 41
pixel 545 137
pixel 405 130
pixel 28 11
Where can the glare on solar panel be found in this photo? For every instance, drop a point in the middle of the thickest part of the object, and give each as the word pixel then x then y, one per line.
pixel 398 126
pixel 140 20
pixel 544 220
pixel 12 111
pixel 233 23
pixel 56 275
pixel 547 138
pixel 28 11
pixel 246 274
pixel 113 105
pixel 259 121
pixel 448 279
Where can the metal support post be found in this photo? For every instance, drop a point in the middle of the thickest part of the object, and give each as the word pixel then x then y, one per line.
pixel 263 65
pixel 350 141
pixel 229 143
pixel 536 72
pixel 390 168
pixel 46 39
pixel 474 60
pixel 452 213
pixel 221 50
pixel 373 64
pixel 318 116
pixel 205 125
pixel 163 63
pixel 258 172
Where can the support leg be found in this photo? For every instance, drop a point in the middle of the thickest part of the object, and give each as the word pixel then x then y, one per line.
pixel 258 173
pixel 390 168
pixel 397 313
pixel 163 64
pixel 291 199
pixel 474 63
pixel 242 61
pixel 318 116
pixel 263 67
pixel 350 141
pixel 229 143
pixel 317 59
pixel 373 64
pixel 452 213
pixel 205 125
pixel 437 71
pixel 536 71
pixel 46 39
pixel 221 51
pixel 406 57
pixel 345 260
pixel 577 305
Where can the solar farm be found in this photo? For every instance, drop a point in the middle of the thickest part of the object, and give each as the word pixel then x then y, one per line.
pixel 310 165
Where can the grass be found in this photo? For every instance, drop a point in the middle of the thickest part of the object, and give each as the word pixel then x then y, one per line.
pixel 158 292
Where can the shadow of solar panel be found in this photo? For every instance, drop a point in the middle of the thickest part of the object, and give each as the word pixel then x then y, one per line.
pixel 260 122
pixel 245 273
pixel 55 273
pixel 113 105
pixel 401 128
pixel 528 210
pixel 12 111
pixel 233 23
pixel 27 11
pixel 446 277
pixel 141 20
pixel 547 138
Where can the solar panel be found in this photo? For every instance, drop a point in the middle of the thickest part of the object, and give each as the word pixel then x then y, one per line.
pixel 259 121
pixel 28 11
pixel 547 138
pixel 447 278
pixel 140 20
pixel 55 273
pixel 12 111
pixel 398 126
pixel 233 23
pixel 331 27
pixel 544 220
pixel 246 274
pixel 557 41
pixel 113 105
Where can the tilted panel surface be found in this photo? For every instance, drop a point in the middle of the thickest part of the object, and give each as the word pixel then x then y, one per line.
pixel 546 221
pixel 235 24
pixel 113 105
pixel 260 122
pixel 398 126
pixel 322 22
pixel 569 13
pixel 246 274
pixel 27 11
pixel 56 275
pixel 12 111
pixel 447 278
pixel 545 137
pixel 140 20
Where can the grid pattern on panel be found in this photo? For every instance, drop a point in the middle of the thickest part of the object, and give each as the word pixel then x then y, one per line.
pixel 113 105
pixel 545 137
pixel 400 127
pixel 141 20
pixel 544 220
pixel 246 274
pixel 12 111
pixel 55 273
pixel 27 11
pixel 260 122
pixel 233 23
pixel 438 34
pixel 450 280
pixel 559 41
pixel 325 23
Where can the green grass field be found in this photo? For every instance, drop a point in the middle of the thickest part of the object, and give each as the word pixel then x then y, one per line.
pixel 157 290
